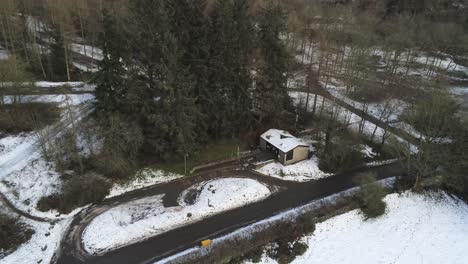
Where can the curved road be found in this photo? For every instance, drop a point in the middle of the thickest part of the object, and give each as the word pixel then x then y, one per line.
pixel 289 195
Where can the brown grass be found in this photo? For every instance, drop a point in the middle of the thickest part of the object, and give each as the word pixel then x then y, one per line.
pixel 25 117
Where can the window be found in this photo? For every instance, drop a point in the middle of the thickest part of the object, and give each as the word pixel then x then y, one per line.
pixel 290 155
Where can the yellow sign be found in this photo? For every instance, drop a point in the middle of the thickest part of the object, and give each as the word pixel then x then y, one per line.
pixel 206 243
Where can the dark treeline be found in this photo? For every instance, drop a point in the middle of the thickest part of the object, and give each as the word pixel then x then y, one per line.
pixel 185 74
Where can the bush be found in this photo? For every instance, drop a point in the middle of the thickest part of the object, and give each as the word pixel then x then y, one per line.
pixel 371 197
pixel 342 156
pixel 435 116
pixel 122 145
pixel 12 233
pixel 288 245
pixel 255 255
pixel 25 117
pixel 114 165
pixel 76 192
pixel 65 153
pixel 299 248
pixel 307 224
pixel 287 251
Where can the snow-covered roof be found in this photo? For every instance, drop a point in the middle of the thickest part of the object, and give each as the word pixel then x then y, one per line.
pixel 282 140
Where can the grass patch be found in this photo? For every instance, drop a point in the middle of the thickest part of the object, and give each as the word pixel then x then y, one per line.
pixel 25 117
pixel 76 192
pixel 223 149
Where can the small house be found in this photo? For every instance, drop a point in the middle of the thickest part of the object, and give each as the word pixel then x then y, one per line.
pixel 287 148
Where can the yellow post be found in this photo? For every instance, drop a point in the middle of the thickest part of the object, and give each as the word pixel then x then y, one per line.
pixel 206 243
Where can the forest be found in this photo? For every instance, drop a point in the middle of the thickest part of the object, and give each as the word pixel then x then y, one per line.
pixel 172 77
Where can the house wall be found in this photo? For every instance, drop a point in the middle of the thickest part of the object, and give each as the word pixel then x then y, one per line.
pixel 262 144
pixel 282 158
pixel 300 153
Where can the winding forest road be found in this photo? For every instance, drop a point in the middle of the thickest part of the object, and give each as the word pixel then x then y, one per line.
pixel 288 196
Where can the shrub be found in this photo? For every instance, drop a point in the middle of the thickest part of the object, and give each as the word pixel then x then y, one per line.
pixel 65 153
pixel 78 191
pixel 113 165
pixel 435 116
pixel 26 117
pixel 307 224
pixel 12 233
pixel 299 248
pixel 341 157
pixel 288 245
pixel 255 255
pixel 371 197
pixel 287 251
pixel 122 145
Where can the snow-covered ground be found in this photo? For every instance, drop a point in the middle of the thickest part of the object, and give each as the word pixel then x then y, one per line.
pixel 4 54
pixel 85 67
pixel 35 25
pixel 88 51
pixel 42 245
pixel 302 171
pixel 388 111
pixel 459 90
pixel 59 99
pixel 77 86
pixel 27 186
pixel 143 178
pixel 415 229
pixel 347 117
pixel 147 217
pixel 25 176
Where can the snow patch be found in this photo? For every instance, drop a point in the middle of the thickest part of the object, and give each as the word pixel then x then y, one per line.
pixel 88 51
pixel 148 217
pixel 4 54
pixel 249 231
pixel 302 171
pixel 415 229
pixel 42 246
pixel 459 90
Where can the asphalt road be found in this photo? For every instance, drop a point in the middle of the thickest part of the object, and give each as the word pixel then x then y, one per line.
pixel 289 196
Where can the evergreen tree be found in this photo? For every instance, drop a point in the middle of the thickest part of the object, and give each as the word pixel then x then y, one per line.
pixel 57 61
pixel 191 28
pixel 241 98
pixel 230 60
pixel 271 84
pixel 111 87
pixel 164 92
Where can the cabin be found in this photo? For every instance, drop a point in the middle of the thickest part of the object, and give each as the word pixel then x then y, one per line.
pixel 286 148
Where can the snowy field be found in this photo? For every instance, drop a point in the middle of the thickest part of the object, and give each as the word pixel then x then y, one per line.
pixel 459 90
pixel 415 229
pixel 347 117
pixel 25 176
pixel 42 245
pixel 61 100
pixel 302 171
pixel 4 54
pixel 86 67
pixel 88 51
pixel 75 86
pixel 147 217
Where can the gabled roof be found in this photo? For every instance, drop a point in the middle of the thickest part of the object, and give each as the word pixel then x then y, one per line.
pixel 282 140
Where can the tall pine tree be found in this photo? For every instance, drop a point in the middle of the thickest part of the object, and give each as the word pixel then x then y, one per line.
pixel 164 91
pixel 191 27
pixel 111 86
pixel 271 83
pixel 230 61
pixel 56 61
